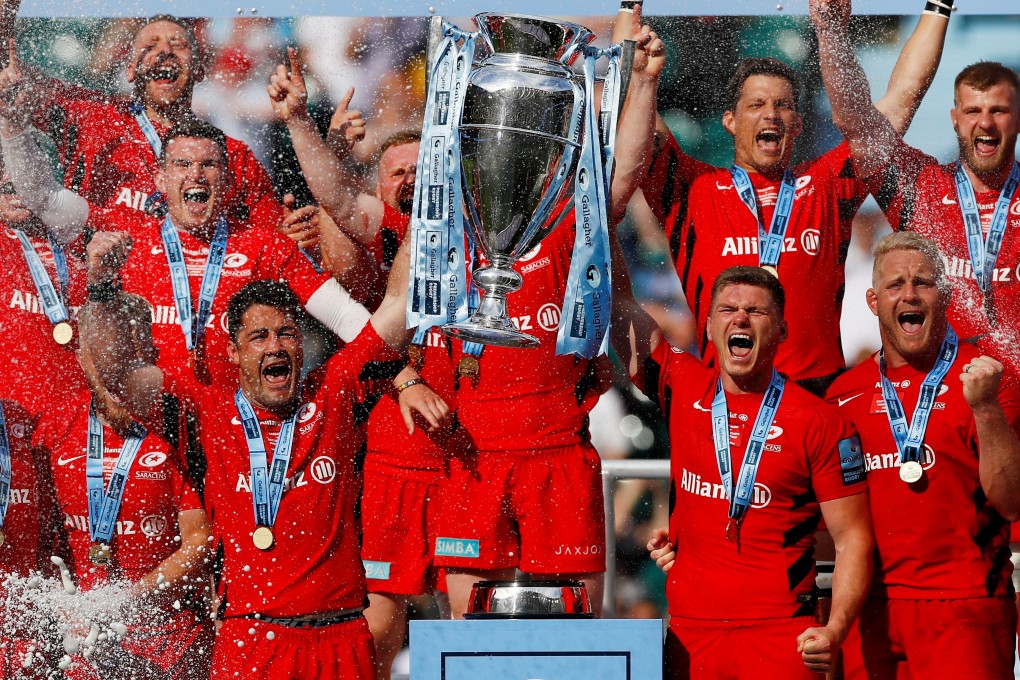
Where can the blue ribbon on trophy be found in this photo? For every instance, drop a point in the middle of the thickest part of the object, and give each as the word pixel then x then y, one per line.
pixel 520 138
pixel 587 305
pixel 437 291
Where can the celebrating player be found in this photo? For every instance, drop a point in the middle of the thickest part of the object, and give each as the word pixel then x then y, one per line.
pixel 756 464
pixel 793 220
pixel 970 207
pixel 938 425
pixel 292 577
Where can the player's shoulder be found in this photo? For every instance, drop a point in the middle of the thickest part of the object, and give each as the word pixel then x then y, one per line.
pixel 852 381
pixel 57 419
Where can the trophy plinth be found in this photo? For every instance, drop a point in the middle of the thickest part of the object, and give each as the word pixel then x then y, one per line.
pixel 490 325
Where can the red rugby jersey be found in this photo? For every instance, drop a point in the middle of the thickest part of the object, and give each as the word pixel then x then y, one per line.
pixel 107 159
pixel 29 525
pixel 528 399
pixel 917 193
pixel 388 441
pixel 938 538
pixel 800 468
pixel 156 491
pixel 315 564
pixel 709 229
pixel 39 371
pixel 254 252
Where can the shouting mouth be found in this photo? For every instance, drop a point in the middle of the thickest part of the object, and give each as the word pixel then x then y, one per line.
pixel 986 145
pixel 740 345
pixel 769 140
pixel 276 372
pixel 911 323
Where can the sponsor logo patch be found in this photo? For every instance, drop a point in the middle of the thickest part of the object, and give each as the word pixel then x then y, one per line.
pixel 377 570
pixel 456 547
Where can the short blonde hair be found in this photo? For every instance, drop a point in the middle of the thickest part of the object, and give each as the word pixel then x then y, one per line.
pixel 911 240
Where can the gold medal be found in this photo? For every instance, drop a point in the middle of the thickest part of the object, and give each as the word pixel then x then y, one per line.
pixel 771 270
pixel 2 537
pixel 468 367
pixel 99 554
pixel 263 538
pixel 63 333
pixel 416 355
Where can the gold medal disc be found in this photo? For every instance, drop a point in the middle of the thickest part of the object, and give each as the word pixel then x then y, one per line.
pixel 99 554
pixel 771 270
pixel 263 538
pixel 2 537
pixel 468 367
pixel 416 355
pixel 63 333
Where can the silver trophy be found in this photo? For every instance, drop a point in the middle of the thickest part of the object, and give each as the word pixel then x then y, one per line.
pixel 519 137
pixel 512 143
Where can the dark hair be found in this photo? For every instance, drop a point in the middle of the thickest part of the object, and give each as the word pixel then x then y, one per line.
pixel 759 66
pixel 265 292
pixel 984 75
pixel 399 138
pixel 194 128
pixel 751 276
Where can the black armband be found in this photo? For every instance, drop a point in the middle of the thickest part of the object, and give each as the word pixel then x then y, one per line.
pixel 943 8
pixel 103 292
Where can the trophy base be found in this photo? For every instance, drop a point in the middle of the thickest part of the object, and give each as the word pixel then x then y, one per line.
pixel 501 336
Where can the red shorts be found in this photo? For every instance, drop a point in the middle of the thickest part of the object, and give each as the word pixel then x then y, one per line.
pixel 343 651
pixel 966 638
pixel 697 649
pixel 399 510
pixel 541 511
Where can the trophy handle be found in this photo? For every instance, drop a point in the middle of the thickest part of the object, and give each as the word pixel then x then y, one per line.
pixel 627 48
pixel 434 36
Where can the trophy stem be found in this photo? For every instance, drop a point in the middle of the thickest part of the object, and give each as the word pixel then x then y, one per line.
pixel 490 324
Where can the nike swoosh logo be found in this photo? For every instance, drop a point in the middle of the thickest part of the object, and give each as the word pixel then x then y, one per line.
pixel 65 461
pixel 840 402
pixel 723 187
pixel 699 407
pixel 948 201
pixel 156 250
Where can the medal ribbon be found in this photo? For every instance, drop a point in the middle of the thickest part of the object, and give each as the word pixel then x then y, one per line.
pixel 770 243
pixel 193 324
pixel 266 487
pixel 5 467
pixel 147 128
pixel 53 304
pixel 584 322
pixel 909 440
pixel 474 349
pixel 984 252
pixel 741 497
pixel 437 290
pixel 104 505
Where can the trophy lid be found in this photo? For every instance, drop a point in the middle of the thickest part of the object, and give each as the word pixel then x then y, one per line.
pixel 533 36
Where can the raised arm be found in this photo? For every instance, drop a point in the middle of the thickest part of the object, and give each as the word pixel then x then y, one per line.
pixel 873 130
pixel 335 190
pixel 635 135
pixel 389 319
pixel 115 329
pixel 998 447
pixel 634 333
pixel 915 68
pixel 849 522
pixel 61 210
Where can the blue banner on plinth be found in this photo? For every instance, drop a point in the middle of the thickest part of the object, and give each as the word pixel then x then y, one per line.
pixel 537 649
